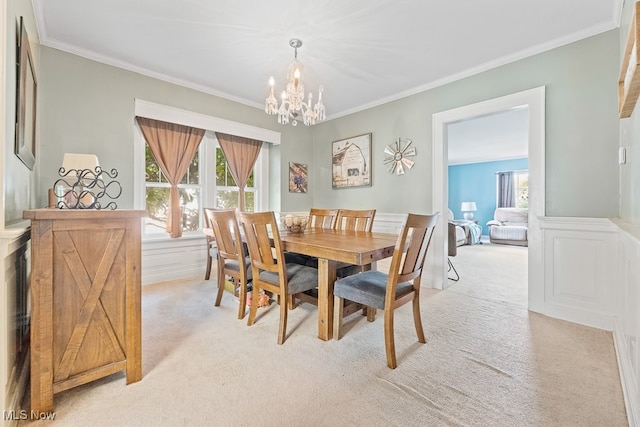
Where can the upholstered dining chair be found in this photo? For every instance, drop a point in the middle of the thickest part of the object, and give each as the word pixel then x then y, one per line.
pixel 355 220
pixel 322 218
pixel 232 257
pixel 390 291
pixel 269 270
pixel 358 220
pixel 211 250
pixel 318 219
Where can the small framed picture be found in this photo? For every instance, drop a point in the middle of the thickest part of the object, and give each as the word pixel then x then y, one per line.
pixel 298 177
pixel 351 158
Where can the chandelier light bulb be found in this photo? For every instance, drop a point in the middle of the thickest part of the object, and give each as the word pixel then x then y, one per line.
pixel 296 77
pixel 293 105
pixel 271 103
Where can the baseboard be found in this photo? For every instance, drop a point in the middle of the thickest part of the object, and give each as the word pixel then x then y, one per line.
pixel 629 389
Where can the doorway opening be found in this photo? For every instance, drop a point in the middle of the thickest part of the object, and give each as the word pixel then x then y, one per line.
pixel 534 100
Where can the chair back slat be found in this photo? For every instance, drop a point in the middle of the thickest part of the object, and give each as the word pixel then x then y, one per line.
pixel 355 220
pixel 411 249
pixel 322 218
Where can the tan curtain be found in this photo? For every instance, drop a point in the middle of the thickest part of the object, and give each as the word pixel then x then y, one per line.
pixel 173 147
pixel 241 154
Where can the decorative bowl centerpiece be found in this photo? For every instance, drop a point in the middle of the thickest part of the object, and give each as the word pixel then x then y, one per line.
pixel 294 223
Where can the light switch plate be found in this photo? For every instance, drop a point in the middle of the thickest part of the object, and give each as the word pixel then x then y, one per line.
pixel 622 156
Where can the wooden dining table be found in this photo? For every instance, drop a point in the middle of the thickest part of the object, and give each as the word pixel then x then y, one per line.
pixel 332 247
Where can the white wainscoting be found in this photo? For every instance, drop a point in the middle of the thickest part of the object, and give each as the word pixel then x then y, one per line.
pixel 627 319
pixel 388 223
pixel 171 259
pixel 579 267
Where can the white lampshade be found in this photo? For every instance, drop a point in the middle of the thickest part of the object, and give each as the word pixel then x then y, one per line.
pixel 468 207
pixel 79 180
pixel 80 161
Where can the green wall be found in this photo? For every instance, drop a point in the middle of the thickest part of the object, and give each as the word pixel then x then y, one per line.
pixel 581 132
pixel 87 106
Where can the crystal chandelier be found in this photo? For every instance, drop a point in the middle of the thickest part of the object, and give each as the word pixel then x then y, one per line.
pixel 293 105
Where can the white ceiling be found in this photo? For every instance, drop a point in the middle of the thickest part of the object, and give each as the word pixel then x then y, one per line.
pixel 364 52
pixel 499 136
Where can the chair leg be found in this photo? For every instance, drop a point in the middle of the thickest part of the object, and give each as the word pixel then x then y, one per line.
pixel 220 282
pixel 243 300
pixel 371 313
pixel 451 267
pixel 417 319
pixel 338 313
pixel 207 273
pixel 253 310
pixel 389 339
pixel 282 329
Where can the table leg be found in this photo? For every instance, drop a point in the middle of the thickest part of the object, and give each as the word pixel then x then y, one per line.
pixel 326 279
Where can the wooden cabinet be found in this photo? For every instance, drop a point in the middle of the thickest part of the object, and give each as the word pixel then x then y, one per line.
pixel 85 299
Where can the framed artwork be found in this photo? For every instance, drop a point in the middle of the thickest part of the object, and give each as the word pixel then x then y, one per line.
pixel 298 178
pixel 25 143
pixel 351 162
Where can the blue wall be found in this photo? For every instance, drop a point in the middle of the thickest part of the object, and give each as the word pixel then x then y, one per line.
pixel 476 182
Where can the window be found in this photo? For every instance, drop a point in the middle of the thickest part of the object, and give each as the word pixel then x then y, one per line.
pixel 226 188
pixel 199 189
pixel 157 195
pixel 521 183
pixel 196 189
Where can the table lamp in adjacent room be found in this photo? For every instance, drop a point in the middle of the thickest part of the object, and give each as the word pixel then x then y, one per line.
pixel 468 208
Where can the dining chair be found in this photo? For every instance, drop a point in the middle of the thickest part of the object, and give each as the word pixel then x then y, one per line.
pixel 318 219
pixel 232 257
pixel 357 220
pixel 354 220
pixel 269 270
pixel 211 250
pixel 322 218
pixel 390 291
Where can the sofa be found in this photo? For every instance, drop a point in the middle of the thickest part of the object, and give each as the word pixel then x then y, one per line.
pixel 509 226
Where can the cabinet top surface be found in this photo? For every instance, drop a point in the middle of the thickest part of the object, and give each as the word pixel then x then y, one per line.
pixel 49 213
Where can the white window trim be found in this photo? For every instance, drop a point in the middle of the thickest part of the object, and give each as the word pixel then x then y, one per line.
pixel 189 118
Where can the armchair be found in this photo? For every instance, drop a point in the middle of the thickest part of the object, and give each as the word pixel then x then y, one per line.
pixel 457 234
pixel 509 226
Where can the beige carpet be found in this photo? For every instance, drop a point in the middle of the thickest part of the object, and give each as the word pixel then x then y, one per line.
pixel 487 362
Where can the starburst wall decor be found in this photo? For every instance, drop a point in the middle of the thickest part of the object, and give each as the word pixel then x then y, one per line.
pixel 396 156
